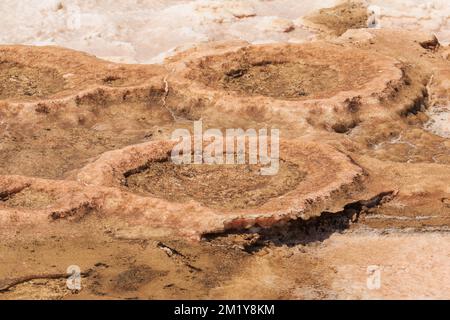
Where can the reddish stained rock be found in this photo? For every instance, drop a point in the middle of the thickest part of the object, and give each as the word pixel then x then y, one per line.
pixel 330 178
pixel 309 157
pixel 75 72
pixel 207 83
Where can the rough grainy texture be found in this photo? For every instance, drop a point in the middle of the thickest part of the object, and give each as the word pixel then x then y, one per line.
pixel 86 177
pixel 228 186
pixel 318 189
pixel 338 19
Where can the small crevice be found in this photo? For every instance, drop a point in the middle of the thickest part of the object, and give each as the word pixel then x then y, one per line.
pixel 74 214
pixel 8 284
pixel 177 256
pixel 300 232
pixel 420 104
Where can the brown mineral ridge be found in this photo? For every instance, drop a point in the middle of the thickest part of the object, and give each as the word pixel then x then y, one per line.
pixel 337 20
pixel 85 178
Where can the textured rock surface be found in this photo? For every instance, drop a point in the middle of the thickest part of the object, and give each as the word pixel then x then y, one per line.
pixel 373 188
pixel 317 191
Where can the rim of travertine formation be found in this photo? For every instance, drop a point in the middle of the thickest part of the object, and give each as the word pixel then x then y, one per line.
pixel 329 174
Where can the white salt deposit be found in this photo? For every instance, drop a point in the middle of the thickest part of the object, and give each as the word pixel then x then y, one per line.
pixel 145 31
pixel 439 123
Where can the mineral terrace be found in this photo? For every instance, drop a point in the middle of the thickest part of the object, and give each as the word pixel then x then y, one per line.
pixel 364 179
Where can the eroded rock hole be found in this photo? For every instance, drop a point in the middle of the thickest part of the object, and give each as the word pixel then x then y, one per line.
pixel 235 186
pixel 288 80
